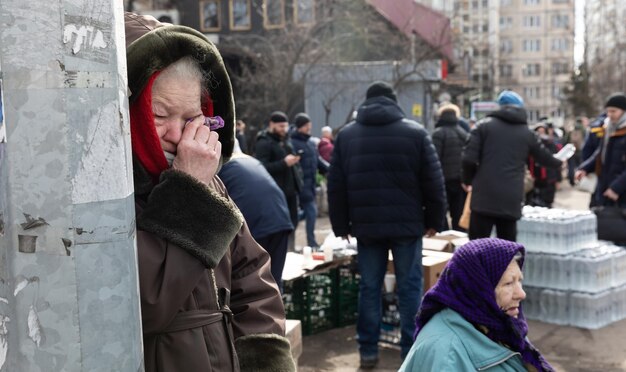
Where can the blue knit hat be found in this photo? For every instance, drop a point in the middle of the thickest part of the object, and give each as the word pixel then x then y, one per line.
pixel 510 98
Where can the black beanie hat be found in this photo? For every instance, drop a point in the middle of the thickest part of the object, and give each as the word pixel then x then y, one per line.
pixel 617 100
pixel 380 88
pixel 301 120
pixel 278 117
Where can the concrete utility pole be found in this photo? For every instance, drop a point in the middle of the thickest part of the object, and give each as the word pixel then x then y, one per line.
pixel 68 267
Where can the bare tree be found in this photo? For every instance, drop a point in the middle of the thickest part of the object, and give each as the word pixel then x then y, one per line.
pixel 345 31
pixel 607 64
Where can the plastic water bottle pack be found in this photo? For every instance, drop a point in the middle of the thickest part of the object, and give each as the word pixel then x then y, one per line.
pixel 578 309
pixel 556 231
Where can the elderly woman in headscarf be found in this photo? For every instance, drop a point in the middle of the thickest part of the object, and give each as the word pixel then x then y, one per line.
pixel 208 299
pixel 472 319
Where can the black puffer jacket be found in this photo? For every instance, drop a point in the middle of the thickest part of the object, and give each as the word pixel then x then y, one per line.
pixel 494 160
pixel 271 151
pixel 385 179
pixel 449 139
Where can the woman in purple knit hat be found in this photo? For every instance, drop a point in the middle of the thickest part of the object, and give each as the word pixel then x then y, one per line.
pixel 472 319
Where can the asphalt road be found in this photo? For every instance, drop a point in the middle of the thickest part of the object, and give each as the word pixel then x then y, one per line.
pixel 566 348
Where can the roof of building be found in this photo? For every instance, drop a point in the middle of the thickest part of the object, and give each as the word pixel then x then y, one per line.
pixel 411 17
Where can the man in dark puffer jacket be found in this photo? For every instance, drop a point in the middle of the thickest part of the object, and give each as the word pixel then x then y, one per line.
pixel 493 164
pixel 386 188
pixel 449 139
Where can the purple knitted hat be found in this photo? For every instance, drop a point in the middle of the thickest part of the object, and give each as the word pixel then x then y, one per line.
pixel 467 285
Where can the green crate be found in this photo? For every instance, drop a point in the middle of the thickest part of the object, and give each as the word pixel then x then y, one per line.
pixel 346 296
pixel 310 300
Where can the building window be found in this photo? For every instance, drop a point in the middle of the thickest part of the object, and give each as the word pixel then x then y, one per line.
pixel 240 15
pixel 559 68
pixel 560 1
pixel 534 115
pixel 560 21
pixel 210 16
pixel 556 92
pixel 304 12
pixel 533 45
pixel 532 21
pixel 560 45
pixel 532 69
pixel 506 22
pixel 532 92
pixel 506 70
pixel 506 46
pixel 273 14
pixel 532 2
pixel 505 2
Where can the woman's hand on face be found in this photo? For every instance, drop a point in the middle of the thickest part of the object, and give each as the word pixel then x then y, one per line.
pixel 199 151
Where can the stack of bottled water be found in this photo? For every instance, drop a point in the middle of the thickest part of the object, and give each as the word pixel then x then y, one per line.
pixel 570 277
pixel 556 230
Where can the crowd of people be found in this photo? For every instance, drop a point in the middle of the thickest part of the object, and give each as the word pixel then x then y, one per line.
pixel 216 213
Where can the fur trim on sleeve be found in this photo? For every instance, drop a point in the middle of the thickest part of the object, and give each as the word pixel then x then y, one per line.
pixel 264 353
pixel 191 215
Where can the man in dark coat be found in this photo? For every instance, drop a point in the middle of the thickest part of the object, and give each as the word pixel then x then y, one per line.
pixel 494 163
pixel 311 162
pixel 608 159
pixel 449 138
pixel 275 151
pixel 262 204
pixel 545 180
pixel 385 187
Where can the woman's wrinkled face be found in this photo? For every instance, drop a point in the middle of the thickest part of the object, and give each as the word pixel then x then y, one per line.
pixel 174 102
pixel 509 292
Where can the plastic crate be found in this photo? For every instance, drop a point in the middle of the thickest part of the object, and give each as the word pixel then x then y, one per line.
pixel 310 300
pixel 390 325
pixel 346 296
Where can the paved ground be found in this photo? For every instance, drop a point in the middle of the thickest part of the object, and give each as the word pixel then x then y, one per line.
pixel 567 348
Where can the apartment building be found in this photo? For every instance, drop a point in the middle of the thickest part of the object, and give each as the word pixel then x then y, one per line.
pixel 536 53
pixel 524 45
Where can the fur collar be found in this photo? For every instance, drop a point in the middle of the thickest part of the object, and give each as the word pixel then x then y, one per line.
pixel 198 218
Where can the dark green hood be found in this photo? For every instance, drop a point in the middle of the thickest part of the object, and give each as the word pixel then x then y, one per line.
pixel 151 46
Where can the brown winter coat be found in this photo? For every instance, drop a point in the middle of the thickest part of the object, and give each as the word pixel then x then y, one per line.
pixel 193 244
pixel 177 291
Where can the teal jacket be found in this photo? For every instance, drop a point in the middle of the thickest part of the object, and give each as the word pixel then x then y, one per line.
pixel 449 343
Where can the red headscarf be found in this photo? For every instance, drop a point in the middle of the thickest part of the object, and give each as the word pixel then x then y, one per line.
pixel 146 145
pixel 144 139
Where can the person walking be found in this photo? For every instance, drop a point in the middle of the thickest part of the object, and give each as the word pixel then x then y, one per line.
pixel 493 167
pixel 545 180
pixel 208 299
pixel 275 151
pixel 310 162
pixel 576 136
pixel 449 139
pixel 262 204
pixel 386 188
pixel 326 145
pixel 608 159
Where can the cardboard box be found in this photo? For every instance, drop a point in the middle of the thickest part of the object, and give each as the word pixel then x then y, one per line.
pixel 445 241
pixel 433 263
pixel 436 244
